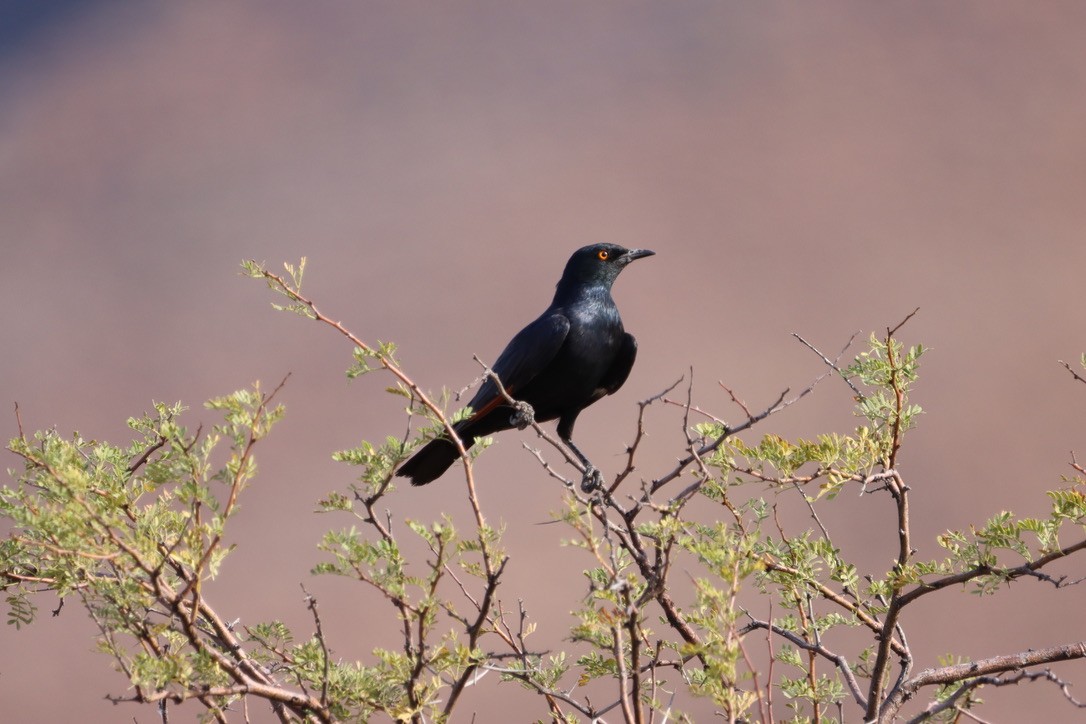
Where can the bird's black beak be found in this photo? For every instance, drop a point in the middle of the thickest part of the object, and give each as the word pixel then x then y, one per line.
pixel 637 254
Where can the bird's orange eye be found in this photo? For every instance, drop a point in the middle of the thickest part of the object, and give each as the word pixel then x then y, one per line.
pixel 603 254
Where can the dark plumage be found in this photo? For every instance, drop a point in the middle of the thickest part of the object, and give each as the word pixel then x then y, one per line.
pixel 575 353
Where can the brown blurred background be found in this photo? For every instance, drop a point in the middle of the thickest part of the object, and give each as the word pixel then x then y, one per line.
pixel 817 168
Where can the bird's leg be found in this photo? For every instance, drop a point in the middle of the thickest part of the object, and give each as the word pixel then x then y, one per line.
pixel 593 478
pixel 523 415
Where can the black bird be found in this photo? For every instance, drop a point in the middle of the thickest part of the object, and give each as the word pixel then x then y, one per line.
pixel 574 354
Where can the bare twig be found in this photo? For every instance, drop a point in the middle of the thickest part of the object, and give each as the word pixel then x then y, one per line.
pixel 19 422
pixel 891 331
pixel 1074 464
pixel 742 405
pixel 631 450
pixel 1074 374
pixel 832 364
pixel 311 604
pixel 779 404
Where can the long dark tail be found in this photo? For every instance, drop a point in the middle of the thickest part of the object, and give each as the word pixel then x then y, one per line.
pixel 432 460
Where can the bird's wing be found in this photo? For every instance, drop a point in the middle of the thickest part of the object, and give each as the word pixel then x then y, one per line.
pixel 526 355
pixel 620 367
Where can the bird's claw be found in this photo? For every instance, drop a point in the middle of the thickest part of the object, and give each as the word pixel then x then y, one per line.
pixel 523 415
pixel 592 480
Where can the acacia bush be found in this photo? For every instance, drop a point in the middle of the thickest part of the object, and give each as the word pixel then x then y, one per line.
pixel 738 611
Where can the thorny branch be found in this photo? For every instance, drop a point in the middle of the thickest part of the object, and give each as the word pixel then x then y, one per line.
pixel 937 707
pixel 1074 374
pixel 969 672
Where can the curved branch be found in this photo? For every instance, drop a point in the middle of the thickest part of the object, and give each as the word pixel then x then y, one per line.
pixel 839 661
pixel 983 667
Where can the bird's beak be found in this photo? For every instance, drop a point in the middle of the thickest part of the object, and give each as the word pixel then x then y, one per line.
pixel 637 254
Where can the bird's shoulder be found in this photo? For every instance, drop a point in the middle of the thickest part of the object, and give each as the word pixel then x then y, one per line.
pixel 533 347
pixel 552 325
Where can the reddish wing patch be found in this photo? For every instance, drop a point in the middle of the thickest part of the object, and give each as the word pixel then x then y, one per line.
pixel 493 402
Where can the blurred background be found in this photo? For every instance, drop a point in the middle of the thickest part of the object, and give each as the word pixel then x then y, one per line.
pixel 811 168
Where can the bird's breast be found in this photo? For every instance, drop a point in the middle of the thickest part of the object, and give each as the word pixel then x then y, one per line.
pixel 591 345
pixel 572 379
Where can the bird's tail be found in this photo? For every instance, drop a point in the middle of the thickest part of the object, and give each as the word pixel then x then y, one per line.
pixel 432 460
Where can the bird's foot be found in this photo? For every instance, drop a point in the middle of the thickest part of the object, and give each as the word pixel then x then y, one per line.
pixel 523 415
pixel 592 480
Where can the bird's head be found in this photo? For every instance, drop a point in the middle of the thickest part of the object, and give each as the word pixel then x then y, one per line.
pixel 599 264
